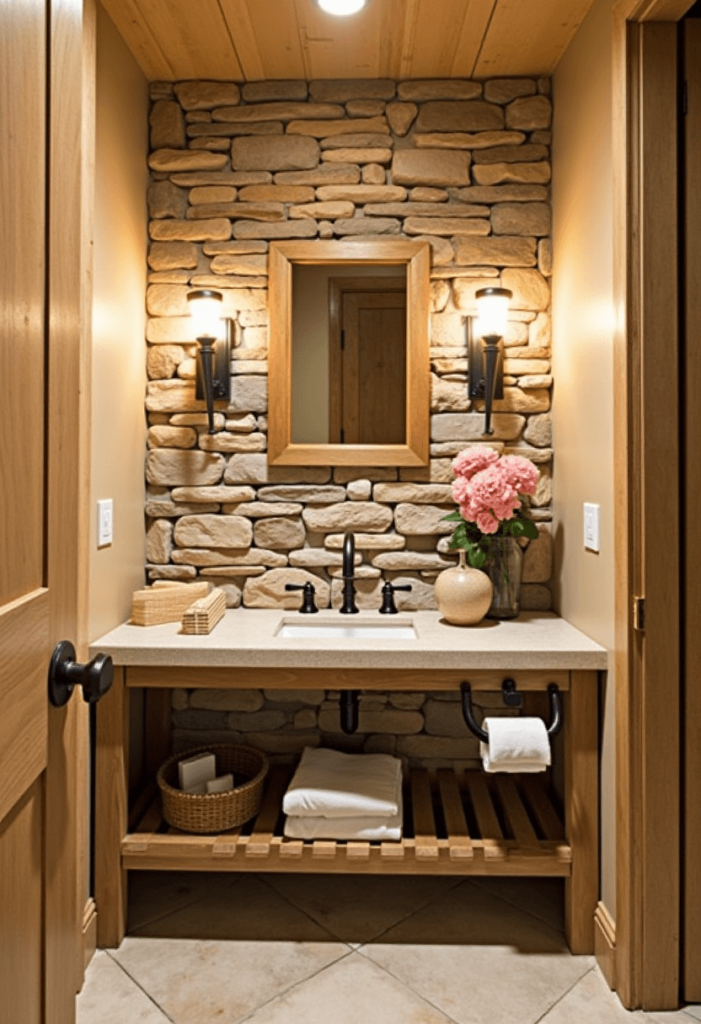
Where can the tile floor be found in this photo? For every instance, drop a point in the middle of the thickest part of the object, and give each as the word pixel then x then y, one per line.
pixel 319 949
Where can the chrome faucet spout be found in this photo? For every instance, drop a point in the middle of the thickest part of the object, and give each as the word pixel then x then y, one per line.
pixel 349 606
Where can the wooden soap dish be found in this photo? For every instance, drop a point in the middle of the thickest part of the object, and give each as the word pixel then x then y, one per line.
pixel 203 615
pixel 161 603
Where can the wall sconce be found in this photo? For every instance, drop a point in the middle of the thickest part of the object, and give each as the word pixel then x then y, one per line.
pixel 485 353
pixel 214 365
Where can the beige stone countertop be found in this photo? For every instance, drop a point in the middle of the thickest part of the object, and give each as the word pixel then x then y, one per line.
pixel 247 637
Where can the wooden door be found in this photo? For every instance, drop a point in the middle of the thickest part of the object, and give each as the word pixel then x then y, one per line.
pixel 367 370
pixel 40 567
pixel 691 715
pixel 24 605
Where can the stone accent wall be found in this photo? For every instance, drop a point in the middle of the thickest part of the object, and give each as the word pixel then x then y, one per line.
pixel 464 165
pixel 425 730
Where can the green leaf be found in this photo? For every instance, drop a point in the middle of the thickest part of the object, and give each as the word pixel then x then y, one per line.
pixel 453 517
pixel 460 534
pixel 475 555
pixel 530 529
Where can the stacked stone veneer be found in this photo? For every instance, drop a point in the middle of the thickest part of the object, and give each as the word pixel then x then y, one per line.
pixel 422 729
pixel 463 165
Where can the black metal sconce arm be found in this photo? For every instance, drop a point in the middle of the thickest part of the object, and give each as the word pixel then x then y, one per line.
pixel 206 359
pixel 490 348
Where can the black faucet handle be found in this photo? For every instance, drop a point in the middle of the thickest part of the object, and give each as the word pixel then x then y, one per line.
pixel 308 606
pixel 388 605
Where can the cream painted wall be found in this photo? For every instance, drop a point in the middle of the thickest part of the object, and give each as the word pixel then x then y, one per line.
pixel 583 327
pixel 118 362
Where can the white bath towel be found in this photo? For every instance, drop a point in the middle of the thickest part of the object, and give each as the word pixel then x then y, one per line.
pixel 515 745
pixel 329 784
pixel 360 828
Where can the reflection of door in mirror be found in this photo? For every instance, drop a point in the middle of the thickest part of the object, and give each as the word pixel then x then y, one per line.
pixel 349 355
pixel 367 360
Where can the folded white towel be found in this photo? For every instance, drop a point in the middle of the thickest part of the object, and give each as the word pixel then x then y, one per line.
pixel 329 784
pixel 361 828
pixel 515 745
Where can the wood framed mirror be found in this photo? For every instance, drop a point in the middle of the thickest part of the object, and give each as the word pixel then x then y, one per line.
pixel 348 378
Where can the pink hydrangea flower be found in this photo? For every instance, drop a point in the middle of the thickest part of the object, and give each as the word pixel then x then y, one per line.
pixel 520 472
pixel 461 490
pixel 490 490
pixel 487 522
pixel 473 460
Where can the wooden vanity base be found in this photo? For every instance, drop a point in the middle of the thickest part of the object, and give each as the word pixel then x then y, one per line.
pixel 456 823
pixel 462 825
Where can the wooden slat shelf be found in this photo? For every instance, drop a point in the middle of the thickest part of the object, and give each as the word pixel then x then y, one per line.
pixel 464 824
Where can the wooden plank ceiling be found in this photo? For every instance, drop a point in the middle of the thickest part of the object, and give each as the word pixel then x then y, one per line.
pixel 253 40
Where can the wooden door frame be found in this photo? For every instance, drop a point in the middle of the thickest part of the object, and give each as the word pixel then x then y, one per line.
pixel 691 586
pixel 646 445
pixel 71 131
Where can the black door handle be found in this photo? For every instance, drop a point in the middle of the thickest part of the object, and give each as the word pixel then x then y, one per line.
pixel 65 673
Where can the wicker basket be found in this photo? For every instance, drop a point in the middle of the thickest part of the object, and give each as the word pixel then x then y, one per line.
pixel 215 812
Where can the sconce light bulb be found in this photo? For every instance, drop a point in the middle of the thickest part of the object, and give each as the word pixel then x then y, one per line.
pixel 205 311
pixel 492 311
pixel 341 7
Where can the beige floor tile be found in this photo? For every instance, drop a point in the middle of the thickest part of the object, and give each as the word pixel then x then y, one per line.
pixel 687 1015
pixel 479 959
pixel 591 999
pixel 110 996
pixel 352 991
pixel 248 909
pixel 468 914
pixel 153 894
pixel 200 982
pixel 358 908
pixel 544 898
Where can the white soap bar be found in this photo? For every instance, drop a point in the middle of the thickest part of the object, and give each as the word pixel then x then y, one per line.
pixel 194 771
pixel 222 784
pixel 199 790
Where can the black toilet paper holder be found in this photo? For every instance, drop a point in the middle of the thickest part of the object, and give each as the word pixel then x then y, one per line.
pixel 513 699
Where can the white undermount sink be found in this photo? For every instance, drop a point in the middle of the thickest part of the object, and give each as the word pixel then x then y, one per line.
pixel 293 629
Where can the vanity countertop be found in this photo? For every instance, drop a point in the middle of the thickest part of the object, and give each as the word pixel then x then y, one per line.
pixel 247 638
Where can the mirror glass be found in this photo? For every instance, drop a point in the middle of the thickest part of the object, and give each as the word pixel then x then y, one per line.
pixel 349 354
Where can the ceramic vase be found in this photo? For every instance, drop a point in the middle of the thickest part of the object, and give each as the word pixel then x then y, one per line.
pixel 503 566
pixel 463 594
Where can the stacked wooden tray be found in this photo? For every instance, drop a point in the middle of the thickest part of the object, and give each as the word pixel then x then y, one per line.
pixel 458 823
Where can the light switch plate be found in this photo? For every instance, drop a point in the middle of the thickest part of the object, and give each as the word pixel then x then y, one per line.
pixel 104 522
pixel 592 527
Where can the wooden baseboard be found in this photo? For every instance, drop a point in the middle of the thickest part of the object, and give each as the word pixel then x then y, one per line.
pixel 89 932
pixel 605 944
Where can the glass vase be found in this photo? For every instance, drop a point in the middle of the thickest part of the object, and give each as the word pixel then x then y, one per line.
pixel 503 566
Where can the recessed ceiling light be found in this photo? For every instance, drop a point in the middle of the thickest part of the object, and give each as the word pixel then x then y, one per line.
pixel 341 7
